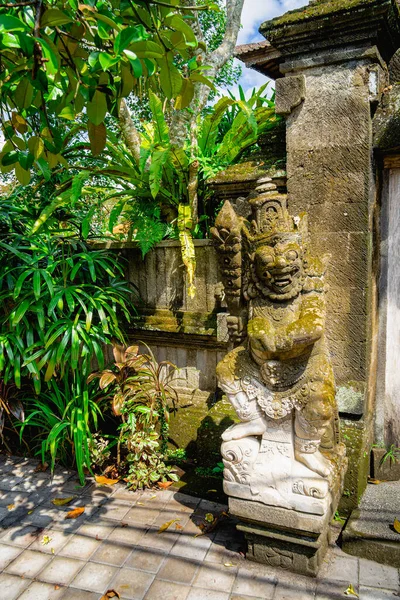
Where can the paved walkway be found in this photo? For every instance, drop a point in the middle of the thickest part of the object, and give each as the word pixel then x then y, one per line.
pixel 115 544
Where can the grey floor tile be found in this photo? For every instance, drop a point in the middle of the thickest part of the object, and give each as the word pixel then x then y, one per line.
pixel 94 577
pixel 339 568
pixel 217 577
pixel 370 593
pixel 111 553
pixel 132 584
pixel 61 570
pixel 12 586
pixel 146 559
pixel 73 594
pixel 167 591
pixel 373 574
pixel 129 535
pixel 20 535
pixel 43 591
pixel 80 546
pixel 50 541
pixel 252 582
pixel 7 554
pixel 28 564
pixel 204 594
pixel 178 570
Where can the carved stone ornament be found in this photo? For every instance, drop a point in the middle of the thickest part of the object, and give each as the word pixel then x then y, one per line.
pixel 285 452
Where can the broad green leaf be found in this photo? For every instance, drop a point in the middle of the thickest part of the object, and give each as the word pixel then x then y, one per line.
pixel 161 130
pixel 194 76
pixel 186 95
pixel 135 63
pixel 176 22
pixel 22 174
pixel 106 60
pixel 128 35
pixel 97 108
pixel 36 146
pixel 54 17
pixel 51 55
pixel 158 160
pixel 9 23
pixel 97 137
pixel 170 78
pixel 24 93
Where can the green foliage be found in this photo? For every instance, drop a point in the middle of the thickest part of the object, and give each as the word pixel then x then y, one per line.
pixel 60 59
pixel 217 471
pixel 142 396
pixel 65 417
pixel 61 303
pixel 392 455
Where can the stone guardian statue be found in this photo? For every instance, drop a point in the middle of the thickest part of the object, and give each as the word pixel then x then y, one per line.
pixel 285 454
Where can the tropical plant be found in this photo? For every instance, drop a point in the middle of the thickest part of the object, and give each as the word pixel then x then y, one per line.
pixel 64 416
pixel 60 59
pixel 142 395
pixel 60 303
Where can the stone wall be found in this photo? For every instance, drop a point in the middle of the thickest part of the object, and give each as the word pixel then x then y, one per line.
pixel 329 176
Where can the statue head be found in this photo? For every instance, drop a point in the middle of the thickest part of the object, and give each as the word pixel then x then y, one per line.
pixel 278 267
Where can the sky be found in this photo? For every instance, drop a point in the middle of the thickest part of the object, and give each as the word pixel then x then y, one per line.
pixel 254 13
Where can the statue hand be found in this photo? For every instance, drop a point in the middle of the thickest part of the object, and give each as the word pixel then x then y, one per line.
pixel 262 335
pixel 235 327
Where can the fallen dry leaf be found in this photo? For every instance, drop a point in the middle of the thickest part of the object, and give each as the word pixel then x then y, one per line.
pixel 30 512
pixel 124 524
pixel 177 526
pixel 152 497
pixel 56 587
pixel 76 512
pixel 228 564
pixel 52 550
pixel 46 540
pixel 396 525
pixel 164 484
pixel 374 481
pixel 42 467
pixel 101 480
pixel 110 594
pixel 62 501
pixel 140 504
pixel 10 506
pixel 166 525
pixel 351 591
pixel 209 491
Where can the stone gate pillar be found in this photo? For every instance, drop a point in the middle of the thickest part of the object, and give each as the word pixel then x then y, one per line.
pixel 329 61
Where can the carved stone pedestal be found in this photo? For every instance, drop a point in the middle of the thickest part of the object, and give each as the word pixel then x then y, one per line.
pixel 285 508
pixel 285 538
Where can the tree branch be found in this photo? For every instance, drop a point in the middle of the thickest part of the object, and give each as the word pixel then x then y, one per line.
pixel 129 131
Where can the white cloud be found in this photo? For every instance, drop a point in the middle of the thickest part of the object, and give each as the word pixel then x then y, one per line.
pixel 255 12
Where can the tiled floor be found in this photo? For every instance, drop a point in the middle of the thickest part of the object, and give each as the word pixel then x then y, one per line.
pixel 116 544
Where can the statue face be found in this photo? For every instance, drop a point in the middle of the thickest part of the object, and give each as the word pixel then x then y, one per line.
pixel 280 267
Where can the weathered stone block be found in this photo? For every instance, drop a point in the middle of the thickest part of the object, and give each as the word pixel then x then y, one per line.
pixel 290 92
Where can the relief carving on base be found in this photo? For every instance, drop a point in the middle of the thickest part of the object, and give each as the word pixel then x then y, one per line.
pixel 286 449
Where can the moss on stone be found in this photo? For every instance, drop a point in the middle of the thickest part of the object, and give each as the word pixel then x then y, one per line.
pixel 315 10
pixel 197 427
pixel 354 435
pixel 177 322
